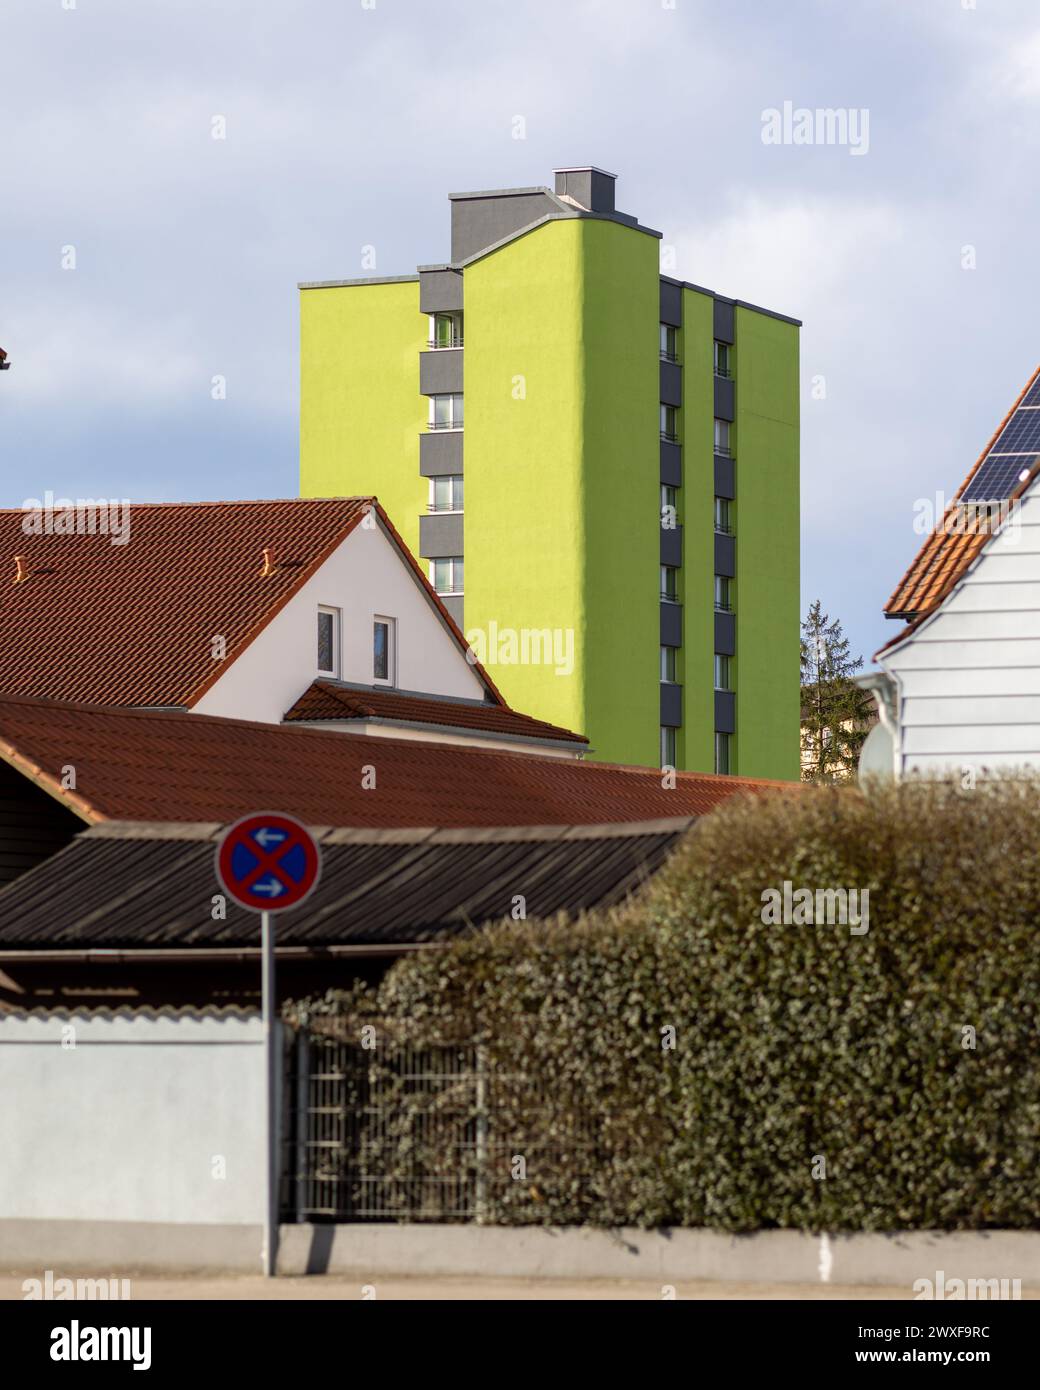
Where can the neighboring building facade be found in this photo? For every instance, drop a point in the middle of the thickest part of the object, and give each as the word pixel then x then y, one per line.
pixel 958 690
pixel 264 610
pixel 626 559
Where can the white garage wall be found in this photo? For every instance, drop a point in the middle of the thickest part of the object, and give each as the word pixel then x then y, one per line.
pixel 969 678
pixel 364 577
pixel 128 1124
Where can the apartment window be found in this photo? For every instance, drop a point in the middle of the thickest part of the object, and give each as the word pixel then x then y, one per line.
pixel 383 654
pixel 723 516
pixel 670 583
pixel 446 411
pixel 722 754
pixel 669 423
pixel 667 746
pixel 328 641
pixel 722 437
pixel 668 665
pixel 446 575
pixel 445 330
pixel 669 507
pixel 446 493
pixel 723 594
pixel 669 343
pixel 723 359
pixel 722 672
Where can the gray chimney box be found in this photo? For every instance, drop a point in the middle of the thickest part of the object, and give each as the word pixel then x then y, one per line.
pixel 590 187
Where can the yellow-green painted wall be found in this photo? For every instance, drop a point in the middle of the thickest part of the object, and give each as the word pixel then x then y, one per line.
pixel 767 598
pixel 561 524
pixel 360 407
pixel 696 740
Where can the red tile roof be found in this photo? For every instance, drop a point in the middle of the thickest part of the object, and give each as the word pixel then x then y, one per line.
pixel 133 624
pixel 950 548
pixel 157 765
pixel 329 700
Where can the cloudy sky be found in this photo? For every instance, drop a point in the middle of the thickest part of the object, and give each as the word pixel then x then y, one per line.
pixel 347 122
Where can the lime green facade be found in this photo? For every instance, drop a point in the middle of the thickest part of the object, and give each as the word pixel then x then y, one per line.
pixel 360 407
pixel 768 600
pixel 563 463
pixel 696 738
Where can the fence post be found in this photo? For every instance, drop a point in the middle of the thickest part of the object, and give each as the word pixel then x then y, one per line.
pixel 480 1205
pixel 303 1112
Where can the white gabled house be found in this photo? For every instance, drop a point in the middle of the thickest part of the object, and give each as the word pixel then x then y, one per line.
pixel 958 690
pixel 306 610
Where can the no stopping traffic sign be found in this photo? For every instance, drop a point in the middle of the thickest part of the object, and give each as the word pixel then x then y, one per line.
pixel 268 862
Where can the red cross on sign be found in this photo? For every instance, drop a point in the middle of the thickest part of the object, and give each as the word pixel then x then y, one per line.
pixel 268 862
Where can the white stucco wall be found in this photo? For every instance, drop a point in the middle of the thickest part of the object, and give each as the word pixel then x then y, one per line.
pixel 969 678
pixel 363 578
pixel 128 1125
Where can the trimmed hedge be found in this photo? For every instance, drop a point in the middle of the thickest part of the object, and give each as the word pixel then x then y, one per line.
pixel 819 1079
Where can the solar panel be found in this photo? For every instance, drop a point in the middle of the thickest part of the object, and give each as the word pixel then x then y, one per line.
pixel 1021 434
pixel 997 478
pixel 1032 396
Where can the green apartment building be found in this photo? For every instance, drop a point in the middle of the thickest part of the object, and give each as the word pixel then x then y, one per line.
pixel 597 463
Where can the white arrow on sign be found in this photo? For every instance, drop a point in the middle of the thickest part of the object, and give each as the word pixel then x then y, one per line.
pixel 271 886
pixel 269 837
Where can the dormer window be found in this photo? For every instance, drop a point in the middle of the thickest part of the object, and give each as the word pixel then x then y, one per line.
pixel 328 642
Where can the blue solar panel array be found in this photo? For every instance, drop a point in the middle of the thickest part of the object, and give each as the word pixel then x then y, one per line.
pixel 997 478
pixel 1014 453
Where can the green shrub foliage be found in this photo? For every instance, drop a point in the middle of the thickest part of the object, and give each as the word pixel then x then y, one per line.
pixel 820 1078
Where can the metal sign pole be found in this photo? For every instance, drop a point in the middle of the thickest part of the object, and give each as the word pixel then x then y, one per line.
pixel 267 862
pixel 267 992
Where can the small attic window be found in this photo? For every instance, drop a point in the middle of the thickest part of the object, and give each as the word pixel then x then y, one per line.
pixel 328 641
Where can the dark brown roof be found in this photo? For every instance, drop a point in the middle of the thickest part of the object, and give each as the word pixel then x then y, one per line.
pixel 133 764
pixel 134 624
pixel 331 700
pixel 148 887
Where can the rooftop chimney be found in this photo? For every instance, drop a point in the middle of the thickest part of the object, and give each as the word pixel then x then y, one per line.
pixel 21 569
pixel 269 564
pixel 589 187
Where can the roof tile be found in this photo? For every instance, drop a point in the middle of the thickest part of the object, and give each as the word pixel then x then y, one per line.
pixel 158 765
pixel 329 700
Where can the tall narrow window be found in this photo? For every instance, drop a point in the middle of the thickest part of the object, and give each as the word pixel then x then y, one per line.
pixel 446 574
pixel 383 653
pixel 669 423
pixel 722 359
pixel 445 330
pixel 723 594
pixel 670 583
pixel 667 746
pixel 446 493
pixel 722 754
pixel 723 516
pixel 722 445
pixel 446 411
pixel 669 343
pixel 668 665
pixel 328 641
pixel 722 672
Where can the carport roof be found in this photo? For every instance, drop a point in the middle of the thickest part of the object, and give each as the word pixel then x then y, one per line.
pixel 149 889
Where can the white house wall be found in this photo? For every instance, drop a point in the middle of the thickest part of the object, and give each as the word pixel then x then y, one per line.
pixel 969 678
pixel 364 578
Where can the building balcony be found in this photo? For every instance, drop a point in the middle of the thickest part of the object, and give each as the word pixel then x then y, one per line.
pixel 440 372
pixel 440 453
